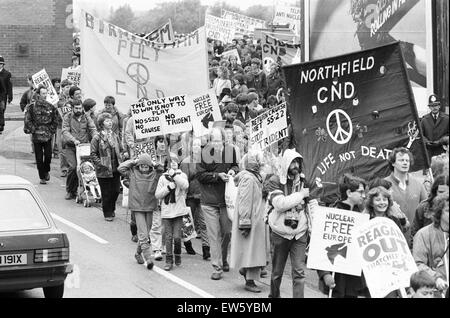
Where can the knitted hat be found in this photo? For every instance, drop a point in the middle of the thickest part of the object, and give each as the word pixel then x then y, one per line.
pixel 145 159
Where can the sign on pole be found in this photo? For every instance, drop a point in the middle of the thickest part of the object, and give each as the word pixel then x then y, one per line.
pixel 268 128
pixel 244 25
pixel 331 247
pixel 219 29
pixel 205 110
pixel 73 75
pixel 42 78
pixel 290 16
pixel 386 260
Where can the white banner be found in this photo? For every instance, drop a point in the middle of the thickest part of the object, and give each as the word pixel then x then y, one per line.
pixel 205 110
pixel 288 15
pixel 244 24
pixel 331 238
pixel 73 75
pixel 42 78
pixel 118 63
pixel 165 115
pixel 219 29
pixel 234 52
pixel 386 260
pixel 163 34
pixel 268 128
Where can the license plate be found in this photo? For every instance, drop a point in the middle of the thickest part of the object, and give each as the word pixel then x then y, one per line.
pixel 13 259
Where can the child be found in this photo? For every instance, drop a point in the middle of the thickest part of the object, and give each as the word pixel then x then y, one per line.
pixel 422 284
pixel 90 179
pixel 141 175
pixel 172 189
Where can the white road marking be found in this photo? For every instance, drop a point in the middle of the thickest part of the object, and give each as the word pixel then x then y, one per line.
pixel 181 282
pixel 79 229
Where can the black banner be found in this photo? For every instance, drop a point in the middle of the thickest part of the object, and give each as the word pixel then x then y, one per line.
pixel 348 114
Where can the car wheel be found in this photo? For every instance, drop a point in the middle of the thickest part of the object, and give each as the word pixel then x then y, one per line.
pixel 54 291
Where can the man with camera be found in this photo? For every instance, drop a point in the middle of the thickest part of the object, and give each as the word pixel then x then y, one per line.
pixel 290 222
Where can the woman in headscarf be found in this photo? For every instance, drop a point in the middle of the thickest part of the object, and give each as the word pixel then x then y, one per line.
pixel 248 243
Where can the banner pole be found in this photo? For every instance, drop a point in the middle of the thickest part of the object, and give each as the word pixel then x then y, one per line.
pixel 403 293
pixel 446 258
pixel 330 293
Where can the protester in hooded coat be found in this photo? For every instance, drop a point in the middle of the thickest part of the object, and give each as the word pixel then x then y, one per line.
pixel 248 248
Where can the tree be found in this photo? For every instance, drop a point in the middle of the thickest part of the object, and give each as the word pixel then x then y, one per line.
pixel 261 12
pixel 122 17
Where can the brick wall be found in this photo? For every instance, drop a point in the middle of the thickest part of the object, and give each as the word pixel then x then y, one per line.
pixel 35 34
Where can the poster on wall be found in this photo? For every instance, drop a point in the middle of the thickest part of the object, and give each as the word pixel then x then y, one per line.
pixel 341 27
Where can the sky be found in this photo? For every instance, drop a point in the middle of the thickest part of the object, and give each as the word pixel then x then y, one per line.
pixel 144 5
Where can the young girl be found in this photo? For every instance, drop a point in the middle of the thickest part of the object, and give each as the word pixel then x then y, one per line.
pixel 172 188
pixel 141 175
pixel 379 204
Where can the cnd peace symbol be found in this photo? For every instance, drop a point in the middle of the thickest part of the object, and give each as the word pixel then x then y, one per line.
pixel 342 134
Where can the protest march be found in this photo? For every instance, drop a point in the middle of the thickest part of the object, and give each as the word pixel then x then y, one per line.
pixel 233 135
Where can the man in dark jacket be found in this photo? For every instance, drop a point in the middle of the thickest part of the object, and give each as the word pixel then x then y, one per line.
pixel 434 126
pixel 77 128
pixel 41 120
pixel 218 162
pixel 352 194
pixel 257 79
pixel 6 92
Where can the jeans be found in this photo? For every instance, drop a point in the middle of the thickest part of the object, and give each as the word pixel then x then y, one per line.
pixel 218 226
pixel 43 155
pixel 110 188
pixel 296 250
pixel 61 151
pixel 172 236
pixel 72 177
pixel 2 114
pixel 155 232
pixel 133 226
pixel 199 219
pixel 144 223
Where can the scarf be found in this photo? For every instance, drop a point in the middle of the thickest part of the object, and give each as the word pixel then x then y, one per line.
pixel 170 198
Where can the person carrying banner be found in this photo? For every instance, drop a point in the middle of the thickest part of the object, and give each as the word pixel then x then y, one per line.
pixel 171 190
pixel 6 92
pixel 407 191
pixel 257 79
pixel 352 194
pixel 64 107
pixel 106 154
pixel 41 120
pixel 189 167
pixel 424 212
pixel 140 174
pixel 435 125
pixel 275 80
pixel 218 162
pixel 77 128
pixel 248 236
pixel 290 222
pixel 430 248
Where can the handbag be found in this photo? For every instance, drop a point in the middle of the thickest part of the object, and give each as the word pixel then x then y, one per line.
pixel 188 229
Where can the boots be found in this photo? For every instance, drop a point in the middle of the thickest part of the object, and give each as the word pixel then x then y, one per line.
pixel 169 263
pixel 178 260
pixel 189 249
pixel 148 257
pixel 206 253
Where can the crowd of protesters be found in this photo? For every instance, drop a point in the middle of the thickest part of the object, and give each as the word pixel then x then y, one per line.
pixel 273 210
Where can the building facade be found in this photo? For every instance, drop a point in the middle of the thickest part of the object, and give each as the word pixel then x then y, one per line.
pixel 36 34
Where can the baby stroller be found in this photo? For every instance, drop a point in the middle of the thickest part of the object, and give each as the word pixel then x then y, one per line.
pixel 88 186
